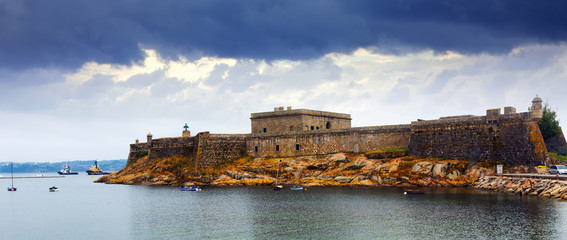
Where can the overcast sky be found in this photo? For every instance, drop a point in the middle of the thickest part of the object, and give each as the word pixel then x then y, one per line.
pixel 82 80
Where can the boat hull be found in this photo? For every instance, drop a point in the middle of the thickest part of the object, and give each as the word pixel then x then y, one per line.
pixel 89 172
pixel 192 189
pixel 414 191
pixel 71 173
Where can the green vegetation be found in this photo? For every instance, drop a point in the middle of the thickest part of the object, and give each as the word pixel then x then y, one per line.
pixel 141 154
pixel 549 125
pixel 556 155
pixel 389 150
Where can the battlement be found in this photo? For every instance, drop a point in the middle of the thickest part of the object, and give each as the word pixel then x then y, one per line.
pixel 291 112
pixel 293 120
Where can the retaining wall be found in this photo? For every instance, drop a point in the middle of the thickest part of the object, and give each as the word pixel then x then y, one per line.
pixel 514 139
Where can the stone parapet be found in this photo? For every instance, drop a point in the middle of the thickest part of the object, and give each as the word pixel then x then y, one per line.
pixel 300 112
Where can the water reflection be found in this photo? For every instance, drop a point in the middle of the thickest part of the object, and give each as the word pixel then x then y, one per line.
pixel 343 213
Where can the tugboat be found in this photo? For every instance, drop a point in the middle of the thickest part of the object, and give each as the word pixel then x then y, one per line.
pixel 66 170
pixel 54 189
pixel 95 170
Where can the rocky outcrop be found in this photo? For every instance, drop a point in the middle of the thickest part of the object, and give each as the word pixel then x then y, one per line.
pixel 528 186
pixel 340 169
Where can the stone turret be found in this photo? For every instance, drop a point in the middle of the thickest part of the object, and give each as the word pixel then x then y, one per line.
pixel 537 108
pixel 149 136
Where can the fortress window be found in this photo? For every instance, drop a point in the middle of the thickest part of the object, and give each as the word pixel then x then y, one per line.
pixel 328 126
pixel 317 128
pixel 290 128
pixel 256 149
pixel 277 148
pixel 297 147
pixel 264 129
pixel 312 128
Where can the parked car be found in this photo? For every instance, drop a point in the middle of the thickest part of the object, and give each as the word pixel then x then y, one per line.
pixel 558 169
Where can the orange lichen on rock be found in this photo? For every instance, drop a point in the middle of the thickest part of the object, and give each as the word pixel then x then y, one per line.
pixel 338 169
pixel 537 139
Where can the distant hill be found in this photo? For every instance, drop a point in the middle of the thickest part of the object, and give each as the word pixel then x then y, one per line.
pixel 76 166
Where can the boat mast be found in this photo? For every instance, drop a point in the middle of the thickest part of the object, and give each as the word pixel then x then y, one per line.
pixel 12 173
pixel 278 172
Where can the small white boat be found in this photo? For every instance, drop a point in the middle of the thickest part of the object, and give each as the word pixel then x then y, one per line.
pixel 297 188
pixel 54 189
pixel 190 188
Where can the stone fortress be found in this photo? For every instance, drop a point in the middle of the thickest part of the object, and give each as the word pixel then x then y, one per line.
pixel 510 137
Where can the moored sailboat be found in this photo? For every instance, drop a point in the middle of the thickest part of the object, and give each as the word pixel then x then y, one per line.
pixel 11 188
pixel 278 186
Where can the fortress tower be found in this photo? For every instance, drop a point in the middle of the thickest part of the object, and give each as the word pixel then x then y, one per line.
pixel 289 120
pixel 537 108
pixel 149 138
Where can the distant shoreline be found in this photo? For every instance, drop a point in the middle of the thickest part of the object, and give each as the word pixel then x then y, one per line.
pixel 54 176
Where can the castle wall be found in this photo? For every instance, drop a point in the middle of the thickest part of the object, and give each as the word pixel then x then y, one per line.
pixel 362 139
pixel 321 122
pixel 161 148
pixel 135 150
pixel 277 124
pixel 513 138
pixel 219 148
pixel 168 147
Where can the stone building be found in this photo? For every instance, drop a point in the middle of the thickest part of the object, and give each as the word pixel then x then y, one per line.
pixel 293 120
pixel 510 137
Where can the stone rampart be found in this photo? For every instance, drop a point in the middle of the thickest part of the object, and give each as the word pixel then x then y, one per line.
pixel 136 150
pixel 363 139
pixel 161 147
pixel 219 148
pixel 513 138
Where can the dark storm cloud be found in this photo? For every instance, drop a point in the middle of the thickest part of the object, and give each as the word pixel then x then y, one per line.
pixel 67 34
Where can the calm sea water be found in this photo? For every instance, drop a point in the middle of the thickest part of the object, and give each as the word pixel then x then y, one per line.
pixel 87 210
